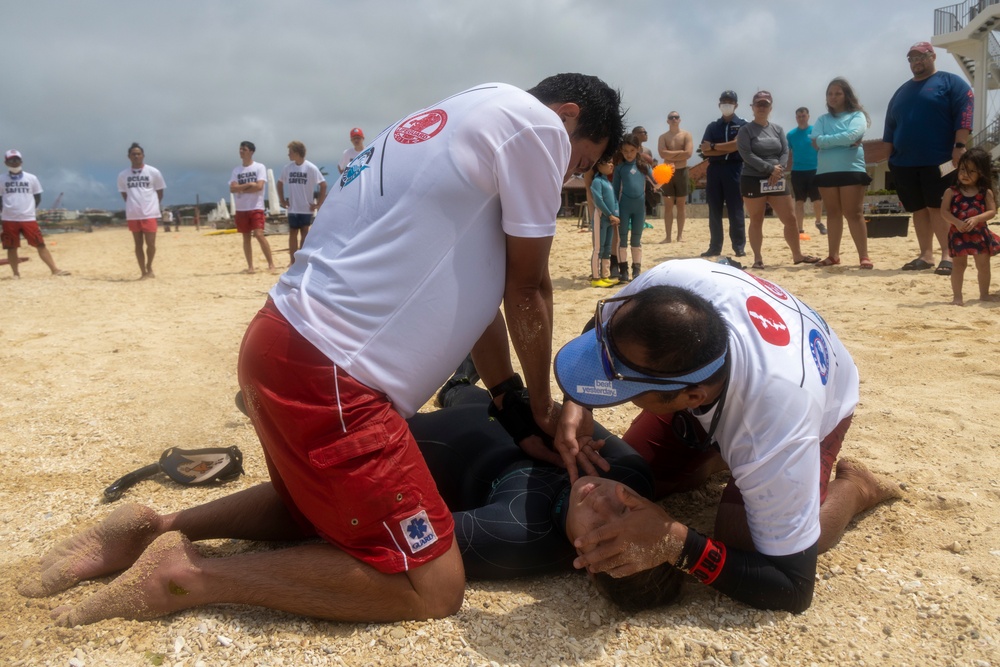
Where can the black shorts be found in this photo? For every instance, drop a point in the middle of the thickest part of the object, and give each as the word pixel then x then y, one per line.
pixel 840 179
pixel 750 188
pixel 803 186
pixel 920 187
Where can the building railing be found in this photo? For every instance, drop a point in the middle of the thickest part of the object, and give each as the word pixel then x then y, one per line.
pixel 988 137
pixel 955 17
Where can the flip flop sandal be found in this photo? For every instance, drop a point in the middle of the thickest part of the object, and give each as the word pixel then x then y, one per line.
pixel 757 265
pixel 944 268
pixel 808 259
pixel 185 466
pixel 829 261
pixel 917 265
pixel 866 263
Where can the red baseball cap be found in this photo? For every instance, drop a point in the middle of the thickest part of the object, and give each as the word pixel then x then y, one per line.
pixel 356 132
pixel 922 47
pixel 762 95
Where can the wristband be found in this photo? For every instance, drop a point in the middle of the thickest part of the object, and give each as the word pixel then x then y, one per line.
pixel 513 383
pixel 711 557
pixel 959 144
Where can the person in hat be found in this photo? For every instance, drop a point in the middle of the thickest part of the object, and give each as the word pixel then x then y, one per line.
pixel 927 125
pixel 21 194
pixel 725 166
pixel 357 145
pixel 731 371
pixel 764 181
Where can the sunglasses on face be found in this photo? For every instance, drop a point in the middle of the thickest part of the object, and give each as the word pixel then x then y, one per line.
pixel 673 117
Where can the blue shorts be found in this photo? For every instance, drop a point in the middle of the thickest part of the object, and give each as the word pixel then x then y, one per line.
pixel 299 220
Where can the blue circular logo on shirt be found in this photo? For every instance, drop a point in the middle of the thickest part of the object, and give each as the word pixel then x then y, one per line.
pixel 820 353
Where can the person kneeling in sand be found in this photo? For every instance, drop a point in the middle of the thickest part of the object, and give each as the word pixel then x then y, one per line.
pixel 731 371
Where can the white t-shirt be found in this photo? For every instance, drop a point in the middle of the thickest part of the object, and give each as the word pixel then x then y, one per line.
pixel 140 186
pixel 346 157
pixel 19 196
pixel 249 201
pixel 791 382
pixel 402 273
pixel 300 181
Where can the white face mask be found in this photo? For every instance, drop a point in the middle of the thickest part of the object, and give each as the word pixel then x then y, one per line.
pixel 14 170
pixel 727 109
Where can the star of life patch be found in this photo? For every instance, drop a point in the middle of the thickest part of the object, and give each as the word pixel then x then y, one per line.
pixel 418 531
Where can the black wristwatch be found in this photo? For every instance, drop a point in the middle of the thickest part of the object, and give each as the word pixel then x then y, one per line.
pixel 959 144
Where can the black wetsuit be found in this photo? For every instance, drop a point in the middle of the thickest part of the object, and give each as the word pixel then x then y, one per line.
pixel 509 510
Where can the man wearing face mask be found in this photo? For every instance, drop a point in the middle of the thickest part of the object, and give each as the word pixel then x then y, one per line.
pixel 725 166
pixel 21 193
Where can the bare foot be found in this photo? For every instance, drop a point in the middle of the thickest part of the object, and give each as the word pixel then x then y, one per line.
pixel 665 241
pixel 874 488
pixel 150 274
pixel 989 297
pixel 61 273
pixel 154 586
pixel 110 546
pixel 957 301
pixel 248 271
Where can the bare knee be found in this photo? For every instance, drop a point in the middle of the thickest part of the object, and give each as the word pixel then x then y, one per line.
pixel 440 584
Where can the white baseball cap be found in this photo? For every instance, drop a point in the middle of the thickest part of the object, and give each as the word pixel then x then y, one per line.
pixel 11 153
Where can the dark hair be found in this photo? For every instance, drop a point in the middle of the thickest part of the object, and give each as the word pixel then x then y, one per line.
pixel 643 590
pixel 806 109
pixel 249 146
pixel 981 162
pixel 851 102
pixel 601 116
pixel 631 140
pixel 135 144
pixel 678 329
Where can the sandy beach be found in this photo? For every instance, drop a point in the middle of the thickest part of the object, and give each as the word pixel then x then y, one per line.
pixel 102 372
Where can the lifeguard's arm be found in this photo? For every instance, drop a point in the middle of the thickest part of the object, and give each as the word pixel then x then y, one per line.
pixel 321 197
pixel 647 536
pixel 159 195
pixel 281 193
pixel 527 305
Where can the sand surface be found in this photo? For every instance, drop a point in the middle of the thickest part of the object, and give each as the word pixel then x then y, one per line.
pixel 100 373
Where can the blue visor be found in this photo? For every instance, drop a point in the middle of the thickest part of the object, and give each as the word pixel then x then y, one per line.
pixel 580 374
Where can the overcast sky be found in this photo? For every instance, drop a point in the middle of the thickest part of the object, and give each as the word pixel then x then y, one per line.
pixel 190 80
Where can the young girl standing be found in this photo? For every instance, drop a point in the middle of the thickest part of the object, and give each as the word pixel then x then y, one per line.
pixel 968 206
pixel 629 183
pixel 605 201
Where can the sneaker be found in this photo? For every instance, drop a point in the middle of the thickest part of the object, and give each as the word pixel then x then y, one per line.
pixel 741 253
pixel 711 253
pixel 821 227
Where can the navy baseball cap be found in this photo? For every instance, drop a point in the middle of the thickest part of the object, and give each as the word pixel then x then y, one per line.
pixel 580 373
pixel 728 95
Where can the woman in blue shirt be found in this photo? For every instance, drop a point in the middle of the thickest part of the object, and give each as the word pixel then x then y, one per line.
pixel 840 169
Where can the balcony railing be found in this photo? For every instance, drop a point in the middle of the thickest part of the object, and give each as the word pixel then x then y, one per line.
pixel 988 137
pixel 955 17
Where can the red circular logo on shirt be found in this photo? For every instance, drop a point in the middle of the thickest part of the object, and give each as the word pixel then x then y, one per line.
pixel 421 127
pixel 768 323
pixel 772 288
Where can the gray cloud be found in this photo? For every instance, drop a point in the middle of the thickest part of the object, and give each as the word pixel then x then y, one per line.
pixel 190 80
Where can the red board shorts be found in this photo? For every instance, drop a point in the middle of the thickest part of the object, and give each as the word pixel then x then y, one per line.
pixel 340 457
pixel 147 225
pixel 653 437
pixel 12 231
pixel 247 221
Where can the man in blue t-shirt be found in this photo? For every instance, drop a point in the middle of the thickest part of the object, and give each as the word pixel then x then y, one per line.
pixel 723 177
pixel 802 162
pixel 927 124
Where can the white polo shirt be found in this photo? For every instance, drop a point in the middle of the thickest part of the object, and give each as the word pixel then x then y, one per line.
pixel 405 269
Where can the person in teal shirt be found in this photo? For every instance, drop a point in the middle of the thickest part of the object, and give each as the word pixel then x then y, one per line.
pixel 604 198
pixel 802 162
pixel 840 169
